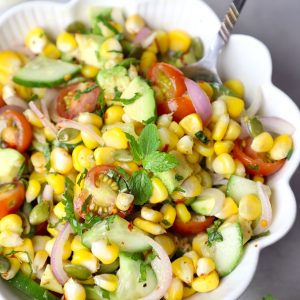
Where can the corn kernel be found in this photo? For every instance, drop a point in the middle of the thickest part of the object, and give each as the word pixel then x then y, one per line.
pixel 193 158
pixel 148 59
pixel 168 139
pixel 175 290
pixel 236 86
pixel 115 138
pixel 151 214
pixel 49 135
pixel 191 124
pixel 25 251
pixel 134 24
pixel 88 140
pixel 179 40
pixel 124 201
pixel 223 147
pixel 177 129
pixel 90 118
pixel 188 291
pixel 66 42
pixel 61 161
pixel 10 62
pixel 206 283
pixel 205 265
pixel 206 150
pixel 129 167
pixel 223 164
pixel 199 244
pixel 32 118
pixel 183 213
pixel 57 182
pixel 59 210
pixel 109 282
pixel 111 49
pixel 13 270
pixel 12 223
pixel 39 260
pixel 206 87
pixel 51 51
pixel 262 142
pixel 105 251
pixel 167 243
pixel 113 114
pixel 193 255
pixel 185 145
pixel 74 291
pixel 26 269
pixel 153 47
pixel 239 168
pixel 23 92
pixel 159 191
pixel 82 158
pixel 49 281
pixel 164 120
pixel 76 244
pixel 220 127
pixel 233 131
pixel 229 209
pixel 39 242
pixel 87 259
pixel 249 207
pixel 38 161
pixel 67 248
pixel 162 41
pixel 183 268
pixel 89 72
pixel 219 108
pixel 169 213
pixel 148 226
pixel 282 146
pixel 259 179
pixel 235 106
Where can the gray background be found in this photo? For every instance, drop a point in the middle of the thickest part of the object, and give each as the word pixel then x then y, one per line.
pixel 277 24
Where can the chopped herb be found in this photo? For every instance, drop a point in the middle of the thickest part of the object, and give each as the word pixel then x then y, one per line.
pixel 101 104
pixel 200 135
pixel 115 51
pixel 253 167
pixel 57 143
pixel 129 100
pixel 143 271
pixel 129 61
pixel 82 176
pixel 47 154
pixel 117 93
pixel 150 257
pixel 34 97
pixel 159 161
pixel 105 294
pixel 119 36
pixel 97 54
pixel 90 220
pixel 21 170
pixel 177 54
pixel 150 121
pixel 166 222
pixel 135 147
pixel 213 234
pixel 78 93
pixel 149 140
pixel 179 189
pixel 86 203
pixel 120 180
pixel 109 220
pixel 178 177
pixel 106 21
pixel 269 297
pixel 290 153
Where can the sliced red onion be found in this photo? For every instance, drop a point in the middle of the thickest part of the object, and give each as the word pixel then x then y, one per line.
pixel 16 101
pixel 41 116
pixel 145 37
pixel 56 260
pixel 53 113
pixel 200 100
pixel 45 109
pixel 82 127
pixel 11 107
pixel 265 219
pixel 256 103
pixel 161 265
pixel 277 125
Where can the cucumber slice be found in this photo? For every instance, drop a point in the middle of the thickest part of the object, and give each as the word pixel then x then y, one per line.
pixel 117 231
pixel 130 284
pixel 45 72
pixel 238 187
pixel 227 254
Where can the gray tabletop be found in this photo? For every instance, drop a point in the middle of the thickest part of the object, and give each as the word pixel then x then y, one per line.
pixel 277 24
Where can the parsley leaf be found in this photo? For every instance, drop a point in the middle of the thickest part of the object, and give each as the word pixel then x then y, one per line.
pixel 47 154
pixel 106 21
pixel 150 120
pixel 129 100
pixel 159 161
pixel 149 139
pixel 101 103
pixel 143 271
pixel 135 148
pixel 253 167
pixel 86 203
pixel 78 93
pixel 82 176
pixel 141 187
pixel 129 61
pixel 109 220
pixel 269 297
pixel 178 177
pixel 213 234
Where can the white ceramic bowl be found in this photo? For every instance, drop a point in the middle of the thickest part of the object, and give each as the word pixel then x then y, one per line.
pixel 244 58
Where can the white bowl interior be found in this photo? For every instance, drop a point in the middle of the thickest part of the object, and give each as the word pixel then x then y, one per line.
pixel 244 58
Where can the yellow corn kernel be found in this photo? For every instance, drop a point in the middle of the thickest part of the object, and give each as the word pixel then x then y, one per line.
pixel 52 230
pixel 229 209
pixel 51 51
pixel 90 118
pixel 32 118
pixel 13 270
pixel 177 129
pixel 282 146
pixel 183 213
pixel 113 114
pixel 169 213
pixel 198 244
pixel 179 40
pixel 40 259
pixel 67 248
pixel 193 255
pixel 66 42
pixel 76 244
pixel 185 145
pixel 36 40
pixel 206 150
pixel 33 190
pixel 184 269
pixel 61 161
pixel 223 147
pixel 23 92
pixel 188 291
pixel 49 281
pixel 206 283
pixel 148 59
pixel 105 251
pixel 50 136
pixel 193 158
pixel 82 158
pixel 39 242
pixel 259 179
pixel 191 124
pixel 206 87
pixel 262 142
pixel 233 131
pixel 250 207
pixel 89 72
pixel 153 47
pixel 10 62
pixel 223 164
pixel 220 127
pixel 175 290
pixel 85 258
pixel 239 168
pixel 26 269
pixel 162 41
pixel 168 139
pixel 191 187
pixel 38 161
pixel 115 138
pixel 10 239
pixel 111 49
pixel 205 265
pixel 109 282
pixel 218 109
pixel 164 120
pixel 129 167
pixel 167 243
pixel 159 191
pixel 134 24
pixel 12 223
pixel 74 290
pixel 26 252
pixel 235 106
pixel 88 140
pixel 151 214
pixel 148 226
pixel 124 201
pixel 236 86
pixel 57 182
pixel 59 210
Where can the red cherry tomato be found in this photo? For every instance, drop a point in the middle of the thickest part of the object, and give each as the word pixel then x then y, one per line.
pixel 12 196
pixel 192 227
pixel 255 163
pixel 76 98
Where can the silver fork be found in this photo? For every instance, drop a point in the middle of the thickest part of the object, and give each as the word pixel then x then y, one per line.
pixel 206 68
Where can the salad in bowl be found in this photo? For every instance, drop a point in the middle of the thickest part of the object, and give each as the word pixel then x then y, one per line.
pixel 121 178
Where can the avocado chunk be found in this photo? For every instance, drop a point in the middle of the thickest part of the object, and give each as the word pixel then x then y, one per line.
pixel 144 108
pixel 13 162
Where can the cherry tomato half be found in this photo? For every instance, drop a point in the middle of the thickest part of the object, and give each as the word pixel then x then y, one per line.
pixel 180 107
pixel 77 98
pixel 12 196
pixel 18 133
pixel 168 79
pixel 192 227
pixel 255 163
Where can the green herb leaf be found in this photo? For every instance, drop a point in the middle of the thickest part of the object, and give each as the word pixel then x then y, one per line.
pixel 290 153
pixel 106 22
pixel 150 120
pixel 269 297
pixel 179 189
pixel 178 177
pixel 213 234
pixel 159 161
pixel 47 154
pixel 101 104
pixel 21 170
pixel 129 61
pixel 141 187
pixel 143 271
pixel 149 140
pixel 86 203
pixel 109 220
pixel 135 148
pixel 78 93
pixel 200 135
pixel 82 176
pixel 253 167
pixel 266 233
pixel 129 100
pixel 166 222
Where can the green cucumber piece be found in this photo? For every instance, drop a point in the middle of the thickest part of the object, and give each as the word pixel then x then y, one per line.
pixel 45 72
pixel 254 126
pixel 117 231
